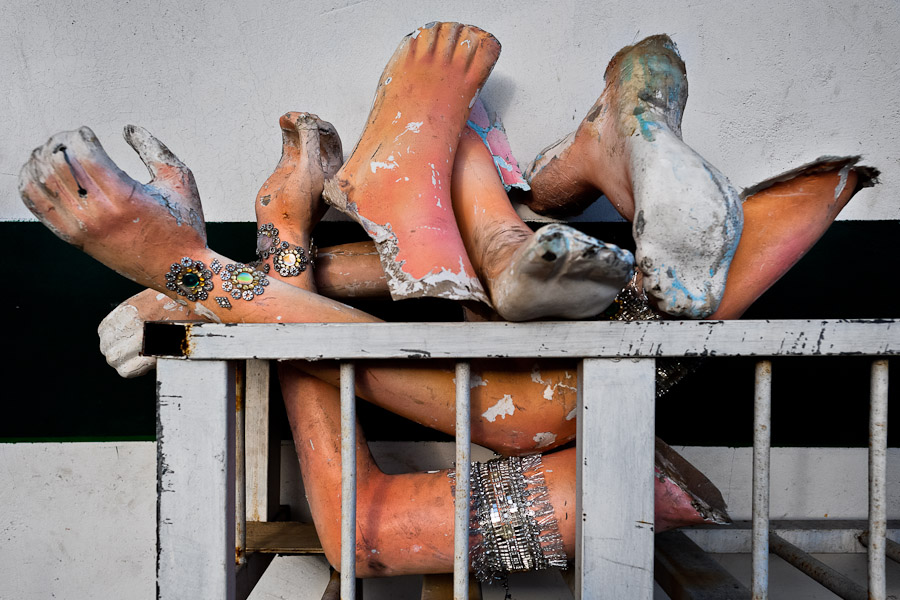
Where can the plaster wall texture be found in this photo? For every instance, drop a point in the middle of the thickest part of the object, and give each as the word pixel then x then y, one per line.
pixel 772 85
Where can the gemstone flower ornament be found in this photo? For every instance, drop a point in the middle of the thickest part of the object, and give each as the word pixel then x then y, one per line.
pixel 190 278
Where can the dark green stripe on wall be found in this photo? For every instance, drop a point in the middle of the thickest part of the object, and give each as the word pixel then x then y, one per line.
pixel 59 387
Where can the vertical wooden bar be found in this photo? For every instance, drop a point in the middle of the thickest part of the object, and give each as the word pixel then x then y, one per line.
pixel 461 502
pixel 877 479
pixel 261 448
pixel 762 421
pixel 614 479
pixel 348 481
pixel 240 468
pixel 195 485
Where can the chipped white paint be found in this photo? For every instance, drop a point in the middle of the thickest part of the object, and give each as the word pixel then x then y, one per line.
pixel 572 414
pixel 467 43
pixel 311 445
pixel 845 172
pixel 544 439
pixel 391 164
pixel 474 98
pixel 503 408
pixel 548 392
pixel 476 380
pixel 546 339
pixel 206 313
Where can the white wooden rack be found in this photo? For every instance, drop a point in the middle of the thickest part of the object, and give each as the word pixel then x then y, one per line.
pixel 208 485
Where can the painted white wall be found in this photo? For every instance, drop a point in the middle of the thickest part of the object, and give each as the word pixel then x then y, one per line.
pixel 772 84
pixel 78 520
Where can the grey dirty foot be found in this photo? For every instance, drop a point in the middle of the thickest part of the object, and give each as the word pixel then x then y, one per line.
pixel 686 216
pixel 560 272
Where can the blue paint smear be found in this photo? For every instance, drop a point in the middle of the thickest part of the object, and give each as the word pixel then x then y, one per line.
pixel 499 162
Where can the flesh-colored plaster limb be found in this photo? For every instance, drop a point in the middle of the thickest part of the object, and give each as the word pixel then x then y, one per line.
pixel 554 272
pixel 783 218
pixel 686 215
pixel 396 183
pixel 140 230
pixel 291 198
pixel 405 521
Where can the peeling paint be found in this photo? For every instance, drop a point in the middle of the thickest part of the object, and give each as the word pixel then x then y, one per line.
pixel 206 313
pixel 572 414
pixel 844 173
pixel 503 408
pixel 375 165
pixel 544 439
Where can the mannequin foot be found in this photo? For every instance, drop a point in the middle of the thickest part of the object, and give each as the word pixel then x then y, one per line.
pixel 560 272
pixel 289 204
pixel 396 183
pixel 686 215
pixel 554 272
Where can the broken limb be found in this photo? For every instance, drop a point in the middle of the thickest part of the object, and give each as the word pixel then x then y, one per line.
pixel 396 183
pixel 554 272
pixel 154 234
pixel 783 218
pixel 686 215
pixel 405 521
pixel 289 204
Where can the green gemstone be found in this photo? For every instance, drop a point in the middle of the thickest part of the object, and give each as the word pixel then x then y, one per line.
pixel 190 280
pixel 244 278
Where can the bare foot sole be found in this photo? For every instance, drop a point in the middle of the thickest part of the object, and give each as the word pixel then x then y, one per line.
pixel 561 272
pixel 396 184
pixel 686 216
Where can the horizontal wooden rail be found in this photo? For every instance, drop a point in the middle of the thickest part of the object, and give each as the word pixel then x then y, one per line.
pixel 593 339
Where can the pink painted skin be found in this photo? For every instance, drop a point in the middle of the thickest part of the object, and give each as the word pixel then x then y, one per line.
pixel 396 183
pixel 405 521
pixel 494 136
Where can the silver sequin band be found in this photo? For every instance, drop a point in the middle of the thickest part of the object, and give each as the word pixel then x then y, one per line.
pixel 513 526
pixel 631 304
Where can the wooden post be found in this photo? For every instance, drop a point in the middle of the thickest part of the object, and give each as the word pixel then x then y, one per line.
pixel 195 485
pixel 614 480
pixel 262 449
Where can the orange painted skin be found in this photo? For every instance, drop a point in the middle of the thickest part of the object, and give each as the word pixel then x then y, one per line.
pixel 404 522
pixel 138 230
pixel 567 177
pixel 350 271
pixel 291 198
pixel 781 223
pixel 491 229
pixel 397 181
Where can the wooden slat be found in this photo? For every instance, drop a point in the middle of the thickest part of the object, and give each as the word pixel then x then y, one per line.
pixel 551 339
pixel 440 587
pixel 196 489
pixel 685 572
pixel 261 449
pixel 282 537
pixel 614 479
